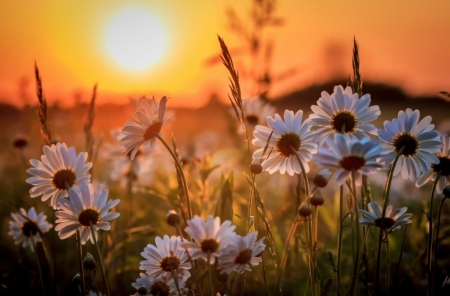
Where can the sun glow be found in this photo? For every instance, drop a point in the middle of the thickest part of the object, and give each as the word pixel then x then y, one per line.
pixel 135 39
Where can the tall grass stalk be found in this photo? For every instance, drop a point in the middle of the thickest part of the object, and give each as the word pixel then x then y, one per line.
pixel 42 108
pixel 356 226
pixel 383 214
pixel 430 255
pixel 102 268
pixel 180 168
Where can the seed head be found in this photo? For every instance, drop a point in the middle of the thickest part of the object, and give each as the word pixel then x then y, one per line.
pixel 304 210
pixel 173 219
pixel 89 262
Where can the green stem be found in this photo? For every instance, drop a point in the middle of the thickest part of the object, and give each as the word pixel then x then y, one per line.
pixel 383 214
pixel 210 271
pixel 180 168
pixel 197 278
pixel 250 199
pixel 260 279
pixel 175 278
pixel 356 225
pixel 285 252
pixel 94 281
pixel 80 263
pixel 236 280
pixel 430 253
pixel 437 235
pixel 38 264
pixel 102 268
pixel 388 264
pixel 302 168
pixel 399 261
pixel 339 248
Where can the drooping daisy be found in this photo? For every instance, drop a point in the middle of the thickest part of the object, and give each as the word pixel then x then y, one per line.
pixel 165 257
pixel 162 286
pixel 284 139
pixel 256 111
pixel 143 132
pixel 60 168
pixel 345 111
pixel 421 143
pixel 210 237
pixel 393 219
pixel 240 253
pixel 443 166
pixel 85 205
pixel 26 231
pixel 347 154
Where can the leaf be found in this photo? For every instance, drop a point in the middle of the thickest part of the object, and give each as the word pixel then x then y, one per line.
pixel 224 207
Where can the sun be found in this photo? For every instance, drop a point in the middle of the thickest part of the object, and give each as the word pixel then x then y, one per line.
pixel 135 39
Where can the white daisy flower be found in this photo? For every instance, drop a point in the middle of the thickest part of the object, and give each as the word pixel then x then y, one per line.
pixel 26 231
pixel 242 251
pixel 256 111
pixel 143 132
pixel 85 205
pixel 343 110
pixel 60 168
pixel 443 166
pixel 421 143
pixel 166 257
pixel 281 138
pixel 393 219
pixel 347 154
pixel 210 237
pixel 162 286
pixel 94 293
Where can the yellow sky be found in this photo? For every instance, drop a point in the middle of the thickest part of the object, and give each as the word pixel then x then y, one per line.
pixel 402 42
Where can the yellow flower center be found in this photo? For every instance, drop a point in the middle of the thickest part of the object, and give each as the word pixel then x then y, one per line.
pixel 88 215
pixel 64 178
pixel 152 130
pixel 160 288
pixel 344 120
pixel 169 263
pixel 30 228
pixel 209 245
pixel 287 141
pixel 409 141
pixel 244 257
pixel 352 162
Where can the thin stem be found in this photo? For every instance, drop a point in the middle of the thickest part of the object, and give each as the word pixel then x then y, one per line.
pixel 249 207
pixel 388 263
pixel 80 263
pixel 302 168
pixel 236 280
pixel 260 279
pixel 197 278
pixel 183 178
pixel 285 252
pixel 38 264
pixel 356 225
pixel 102 268
pixel 339 248
pixel 430 238
pixel 437 236
pixel 175 278
pixel 94 281
pixel 383 214
pixel 210 271
pixel 312 263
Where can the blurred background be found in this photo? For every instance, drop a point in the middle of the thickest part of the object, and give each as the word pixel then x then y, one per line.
pixel 287 52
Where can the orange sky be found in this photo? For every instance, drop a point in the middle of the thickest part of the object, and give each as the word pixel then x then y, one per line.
pixel 401 42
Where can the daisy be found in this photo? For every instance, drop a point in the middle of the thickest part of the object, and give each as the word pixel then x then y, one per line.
pixel 345 111
pixel 165 257
pixel 393 219
pixel 162 286
pixel 243 251
pixel 443 166
pixel 281 139
pixel 421 143
pixel 348 154
pixel 256 111
pixel 143 132
pixel 26 231
pixel 60 168
pixel 210 237
pixel 84 206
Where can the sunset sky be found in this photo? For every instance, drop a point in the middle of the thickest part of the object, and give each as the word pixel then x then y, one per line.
pixel 77 44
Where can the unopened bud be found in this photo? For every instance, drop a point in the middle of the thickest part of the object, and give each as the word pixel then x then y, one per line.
pixel 142 290
pixel 322 178
pixel 20 143
pixel 317 200
pixel 89 262
pixel 76 279
pixel 255 166
pixel 446 191
pixel 173 219
pixel 304 210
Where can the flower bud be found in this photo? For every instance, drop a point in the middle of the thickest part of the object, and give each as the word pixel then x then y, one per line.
pixel 317 200
pixel 89 262
pixel 255 166
pixel 446 191
pixel 20 143
pixel 173 219
pixel 76 279
pixel 304 210
pixel 322 178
